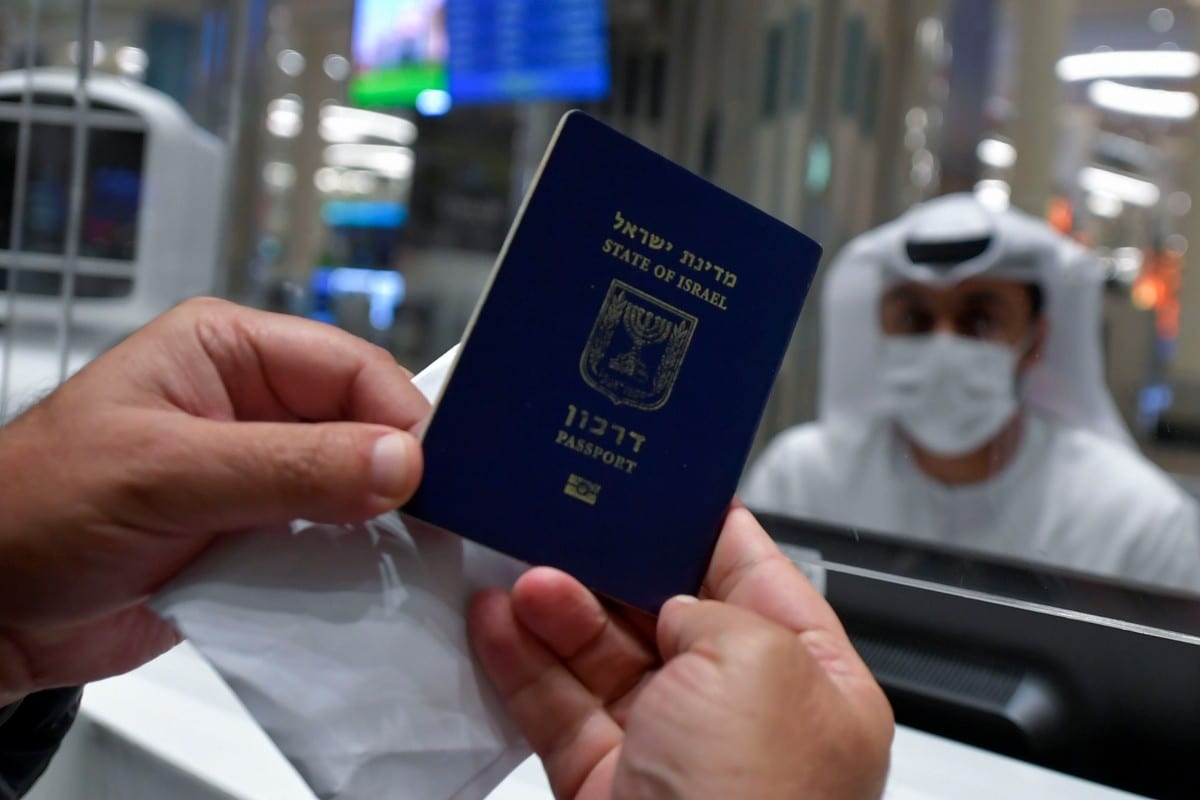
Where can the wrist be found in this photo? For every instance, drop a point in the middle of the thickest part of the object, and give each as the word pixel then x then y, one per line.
pixel 14 673
pixel 7 706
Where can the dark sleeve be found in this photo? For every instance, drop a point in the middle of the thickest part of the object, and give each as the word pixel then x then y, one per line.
pixel 30 732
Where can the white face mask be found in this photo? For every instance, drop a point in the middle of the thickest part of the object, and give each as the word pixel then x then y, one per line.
pixel 951 394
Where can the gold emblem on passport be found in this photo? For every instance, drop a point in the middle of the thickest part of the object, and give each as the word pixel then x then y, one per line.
pixel 582 489
pixel 636 348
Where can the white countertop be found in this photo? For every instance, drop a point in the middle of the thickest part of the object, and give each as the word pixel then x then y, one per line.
pixel 176 713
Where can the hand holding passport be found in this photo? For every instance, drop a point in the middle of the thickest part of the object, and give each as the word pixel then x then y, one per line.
pixel 603 404
pixel 755 692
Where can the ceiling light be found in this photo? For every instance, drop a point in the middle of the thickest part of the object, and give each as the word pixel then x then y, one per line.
pixel 1106 205
pixel 993 195
pixel 387 160
pixel 1129 64
pixel 345 124
pixel 131 61
pixel 996 153
pixel 284 117
pixel 279 175
pixel 290 62
pixel 337 67
pixel 1142 102
pixel 433 102
pixel 1127 188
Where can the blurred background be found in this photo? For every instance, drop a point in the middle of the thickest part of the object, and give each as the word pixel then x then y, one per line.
pixel 360 161
pixel 367 156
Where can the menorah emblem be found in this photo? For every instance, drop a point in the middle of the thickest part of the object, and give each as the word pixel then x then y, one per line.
pixel 645 328
pixel 636 348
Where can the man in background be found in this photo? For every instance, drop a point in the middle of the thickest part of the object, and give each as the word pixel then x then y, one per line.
pixel 963 403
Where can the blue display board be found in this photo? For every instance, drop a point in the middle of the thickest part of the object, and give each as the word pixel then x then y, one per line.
pixel 506 50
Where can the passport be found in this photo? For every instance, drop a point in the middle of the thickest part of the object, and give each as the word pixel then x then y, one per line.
pixel 606 395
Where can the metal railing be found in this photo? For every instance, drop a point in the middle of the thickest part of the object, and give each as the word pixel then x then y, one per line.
pixel 26 112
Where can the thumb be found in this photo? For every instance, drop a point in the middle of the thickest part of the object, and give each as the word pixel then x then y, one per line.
pixel 684 623
pixel 241 474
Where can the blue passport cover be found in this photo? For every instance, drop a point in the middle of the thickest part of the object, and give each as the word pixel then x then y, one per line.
pixel 606 396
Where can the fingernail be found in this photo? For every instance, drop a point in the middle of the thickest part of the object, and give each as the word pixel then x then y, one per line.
pixel 683 598
pixel 389 465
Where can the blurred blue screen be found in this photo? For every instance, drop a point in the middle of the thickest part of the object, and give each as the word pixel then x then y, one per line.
pixel 511 50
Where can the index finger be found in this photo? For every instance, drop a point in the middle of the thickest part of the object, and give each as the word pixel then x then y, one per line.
pixel 241 363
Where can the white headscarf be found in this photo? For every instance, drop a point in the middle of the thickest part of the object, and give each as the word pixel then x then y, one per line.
pixel 1067 384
